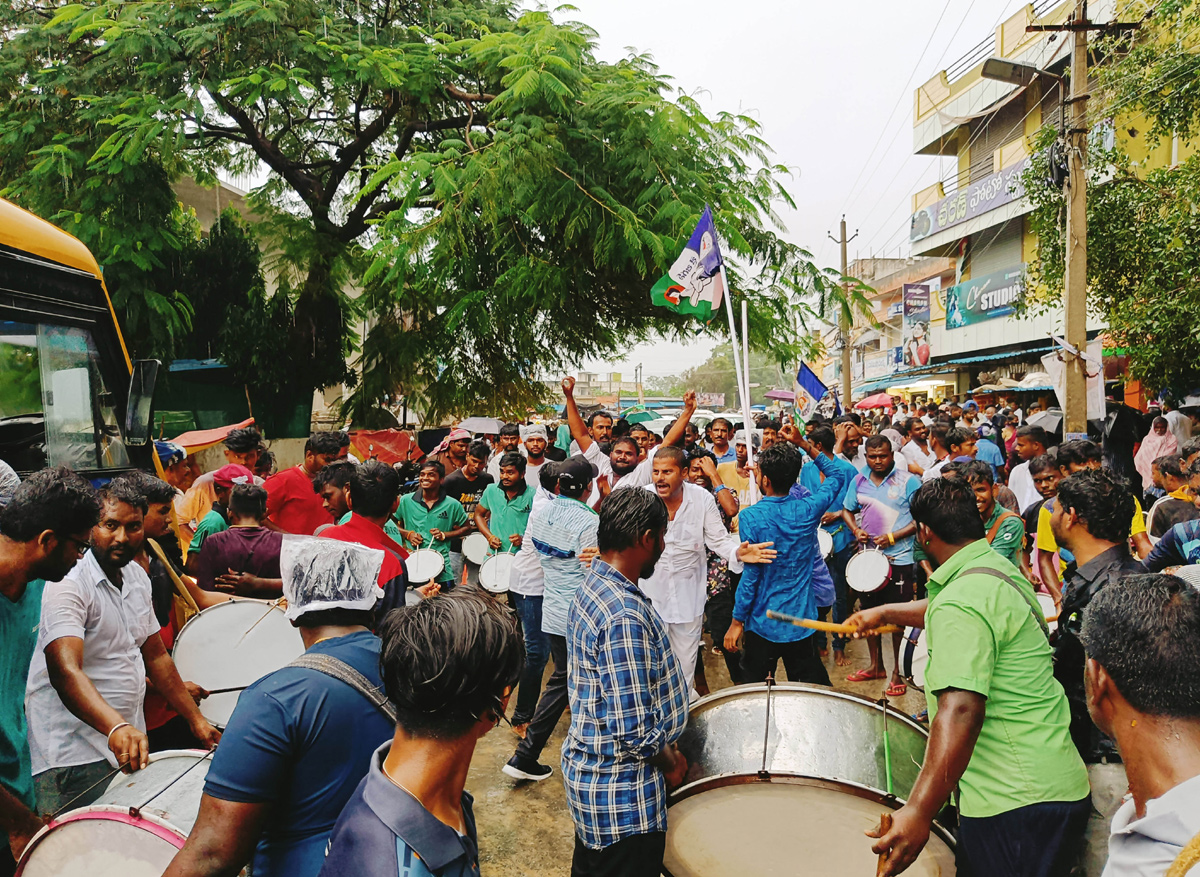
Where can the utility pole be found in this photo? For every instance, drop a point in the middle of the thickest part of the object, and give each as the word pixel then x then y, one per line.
pixel 844 320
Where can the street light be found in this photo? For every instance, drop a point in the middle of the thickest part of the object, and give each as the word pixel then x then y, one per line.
pixel 1022 75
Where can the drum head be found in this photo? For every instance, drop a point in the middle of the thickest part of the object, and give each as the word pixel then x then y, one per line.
pixel 1049 610
pixel 424 565
pixel 868 571
pixel 102 842
pixel 169 787
pixel 475 548
pixel 914 655
pixel 824 542
pixel 769 828
pixel 493 575
pixel 232 645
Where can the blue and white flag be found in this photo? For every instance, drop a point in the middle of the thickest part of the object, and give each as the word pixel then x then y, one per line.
pixel 694 284
pixel 809 392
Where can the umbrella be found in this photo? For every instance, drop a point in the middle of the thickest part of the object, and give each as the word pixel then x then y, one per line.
pixel 638 414
pixel 781 395
pixel 485 425
pixel 1050 419
pixel 879 400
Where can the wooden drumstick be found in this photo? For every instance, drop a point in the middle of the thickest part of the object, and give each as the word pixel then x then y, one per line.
pixel 885 825
pixel 829 626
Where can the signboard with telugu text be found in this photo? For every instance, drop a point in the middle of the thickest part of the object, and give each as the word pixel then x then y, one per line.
pixel 994 190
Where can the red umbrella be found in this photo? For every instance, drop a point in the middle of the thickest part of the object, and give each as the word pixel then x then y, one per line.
pixel 879 400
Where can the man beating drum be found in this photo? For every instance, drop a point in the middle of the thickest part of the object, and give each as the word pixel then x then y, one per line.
pixel 1000 722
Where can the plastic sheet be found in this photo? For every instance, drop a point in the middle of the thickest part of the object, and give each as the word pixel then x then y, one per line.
pixel 328 574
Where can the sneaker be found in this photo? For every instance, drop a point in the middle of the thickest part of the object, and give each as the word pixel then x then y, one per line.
pixel 527 769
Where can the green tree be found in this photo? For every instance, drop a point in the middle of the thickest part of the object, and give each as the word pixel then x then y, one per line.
pixel 1143 221
pixel 516 196
pixel 716 375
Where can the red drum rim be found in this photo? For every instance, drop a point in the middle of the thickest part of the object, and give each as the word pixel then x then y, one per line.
pixel 148 822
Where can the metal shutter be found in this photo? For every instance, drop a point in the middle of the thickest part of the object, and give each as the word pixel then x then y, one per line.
pixel 995 249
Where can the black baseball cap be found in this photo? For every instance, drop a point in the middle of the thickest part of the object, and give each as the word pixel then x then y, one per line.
pixel 575 472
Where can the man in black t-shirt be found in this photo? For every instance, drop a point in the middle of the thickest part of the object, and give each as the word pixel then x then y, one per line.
pixel 466 485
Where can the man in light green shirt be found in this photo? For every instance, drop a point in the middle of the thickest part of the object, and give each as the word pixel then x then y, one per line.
pixel 503 510
pixel 1000 724
pixel 430 519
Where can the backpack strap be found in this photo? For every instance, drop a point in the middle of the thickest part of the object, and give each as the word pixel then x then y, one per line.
pixel 991 534
pixel 343 672
pixel 1034 606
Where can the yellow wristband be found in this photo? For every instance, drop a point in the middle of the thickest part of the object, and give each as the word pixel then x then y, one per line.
pixel 891 539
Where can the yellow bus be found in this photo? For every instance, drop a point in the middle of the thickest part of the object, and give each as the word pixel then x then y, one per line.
pixel 69 394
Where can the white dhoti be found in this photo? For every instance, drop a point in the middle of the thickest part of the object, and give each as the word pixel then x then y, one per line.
pixel 685 639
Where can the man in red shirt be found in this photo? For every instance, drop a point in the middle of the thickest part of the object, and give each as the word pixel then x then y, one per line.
pixel 292 506
pixel 372 494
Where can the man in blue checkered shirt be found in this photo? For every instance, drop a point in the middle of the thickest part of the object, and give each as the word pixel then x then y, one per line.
pixel 628 699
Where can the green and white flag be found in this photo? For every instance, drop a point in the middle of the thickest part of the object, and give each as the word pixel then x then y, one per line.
pixel 694 284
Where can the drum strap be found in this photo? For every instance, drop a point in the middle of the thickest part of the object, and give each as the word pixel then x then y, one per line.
pixel 342 671
pixel 991 534
pixel 1034 606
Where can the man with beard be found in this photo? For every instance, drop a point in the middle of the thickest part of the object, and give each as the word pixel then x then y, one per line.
pixel 503 511
pixel 98 641
pixel 508 441
pixel 678 586
pixel 621 467
pixel 536 448
pixel 44 528
pixel 917 452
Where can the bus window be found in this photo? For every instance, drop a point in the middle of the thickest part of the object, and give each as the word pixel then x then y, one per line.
pixel 55 409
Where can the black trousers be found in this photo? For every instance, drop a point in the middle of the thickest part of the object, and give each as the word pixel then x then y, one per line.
pixel 638 856
pixel 550 706
pixel 800 659
pixel 1040 840
pixel 719 610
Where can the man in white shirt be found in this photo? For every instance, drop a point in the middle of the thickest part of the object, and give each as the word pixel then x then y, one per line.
pixel 1032 441
pixel 535 442
pixel 941 453
pixel 507 441
pixel 620 467
pixel 1141 635
pixel 97 642
pixel 917 452
pixel 678 586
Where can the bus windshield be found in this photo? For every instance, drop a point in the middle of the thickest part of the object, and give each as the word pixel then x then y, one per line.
pixel 55 408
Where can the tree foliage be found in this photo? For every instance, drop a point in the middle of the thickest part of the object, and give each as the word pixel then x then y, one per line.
pixel 514 196
pixel 1143 243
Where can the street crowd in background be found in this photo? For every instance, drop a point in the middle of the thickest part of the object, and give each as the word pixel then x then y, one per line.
pixel 627 548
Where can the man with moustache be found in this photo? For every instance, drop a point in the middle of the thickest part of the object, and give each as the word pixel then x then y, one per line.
pixel 98 641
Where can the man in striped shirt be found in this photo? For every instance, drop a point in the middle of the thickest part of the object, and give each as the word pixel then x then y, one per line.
pixel 628 699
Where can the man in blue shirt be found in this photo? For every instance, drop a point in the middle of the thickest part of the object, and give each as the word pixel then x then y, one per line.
pixel 629 699
pixel 44 529
pixel 786 585
pixel 881 497
pixel 299 740
pixel 449 666
pixel 833 443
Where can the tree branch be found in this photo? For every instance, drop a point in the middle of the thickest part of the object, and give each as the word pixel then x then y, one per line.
pixel 458 94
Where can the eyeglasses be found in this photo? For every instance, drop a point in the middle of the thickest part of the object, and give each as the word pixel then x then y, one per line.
pixel 82 546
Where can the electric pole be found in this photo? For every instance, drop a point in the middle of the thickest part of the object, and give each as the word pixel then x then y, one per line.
pixel 844 319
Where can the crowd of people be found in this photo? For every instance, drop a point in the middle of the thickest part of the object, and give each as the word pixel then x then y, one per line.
pixel 626 548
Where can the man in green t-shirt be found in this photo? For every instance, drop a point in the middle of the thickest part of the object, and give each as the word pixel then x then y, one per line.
pixel 1000 728
pixel 503 511
pixel 430 519
pixel 1004 529
pixel 44 529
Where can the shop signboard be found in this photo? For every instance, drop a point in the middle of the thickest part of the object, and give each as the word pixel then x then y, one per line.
pixel 985 298
pixel 915 346
pixel 877 365
pixel 994 190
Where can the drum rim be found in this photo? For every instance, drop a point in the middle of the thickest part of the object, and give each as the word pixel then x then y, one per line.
pixel 735 691
pixel 862 553
pixel 222 605
pixel 417 551
pixel 858 790
pixel 486 546
pixel 147 822
pixel 907 648
pixel 484 565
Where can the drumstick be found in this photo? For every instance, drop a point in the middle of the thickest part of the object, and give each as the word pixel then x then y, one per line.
pixel 228 690
pixel 830 627
pixel 885 825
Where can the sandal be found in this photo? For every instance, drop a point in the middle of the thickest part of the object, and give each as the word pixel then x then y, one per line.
pixel 896 689
pixel 865 676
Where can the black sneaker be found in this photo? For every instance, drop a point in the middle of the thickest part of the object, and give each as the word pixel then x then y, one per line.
pixel 527 769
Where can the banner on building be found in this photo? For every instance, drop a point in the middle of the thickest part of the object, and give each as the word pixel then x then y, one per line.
pixel 711 400
pixel 915 344
pixel 985 298
pixel 877 365
pixel 994 190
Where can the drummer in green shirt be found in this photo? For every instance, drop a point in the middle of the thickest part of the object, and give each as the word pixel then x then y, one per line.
pixel 503 510
pixel 430 519
pixel 1000 728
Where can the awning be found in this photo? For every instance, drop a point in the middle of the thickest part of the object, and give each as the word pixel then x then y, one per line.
pixel 1012 354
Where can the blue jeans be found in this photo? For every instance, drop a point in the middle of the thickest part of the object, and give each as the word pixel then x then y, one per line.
pixel 537 653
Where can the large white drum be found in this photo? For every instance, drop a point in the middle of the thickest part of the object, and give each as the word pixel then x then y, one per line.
pixel 133 830
pixel 232 645
pixel 423 566
pixel 1049 610
pixel 475 548
pixel 869 571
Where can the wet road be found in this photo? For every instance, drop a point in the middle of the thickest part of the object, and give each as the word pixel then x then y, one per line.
pixel 525 829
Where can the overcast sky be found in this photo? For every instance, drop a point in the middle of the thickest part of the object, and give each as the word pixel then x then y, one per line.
pixel 832 84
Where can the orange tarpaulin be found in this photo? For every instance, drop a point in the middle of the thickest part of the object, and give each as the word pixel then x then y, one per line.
pixel 389 446
pixel 198 439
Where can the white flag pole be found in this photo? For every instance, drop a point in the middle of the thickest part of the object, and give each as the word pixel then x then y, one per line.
pixel 747 422
pixel 742 384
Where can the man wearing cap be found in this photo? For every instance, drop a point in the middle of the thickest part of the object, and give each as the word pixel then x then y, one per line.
pixel 563 533
pixel 735 475
pixel 242 447
pixel 292 506
pixel 452 452
pixel 299 740
pixel 217 518
pixel 536 444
